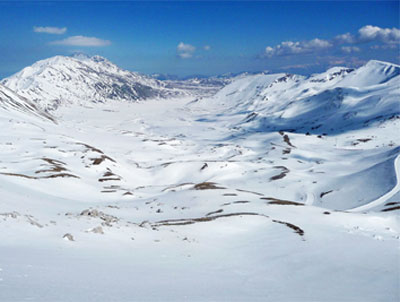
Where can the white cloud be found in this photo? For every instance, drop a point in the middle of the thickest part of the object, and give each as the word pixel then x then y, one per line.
pixel 350 49
pixel 292 48
pixel 389 38
pixel 370 33
pixel 207 47
pixel 344 38
pixel 185 51
pixel 82 41
pixel 50 30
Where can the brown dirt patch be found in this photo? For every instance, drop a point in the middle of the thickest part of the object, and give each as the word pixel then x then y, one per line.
pixel 391 209
pixel 282 202
pixel 207 186
pixel 215 212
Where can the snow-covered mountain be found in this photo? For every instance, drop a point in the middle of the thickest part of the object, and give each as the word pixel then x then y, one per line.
pixel 360 106
pixel 82 79
pixel 334 101
pixel 279 187
pixel 14 104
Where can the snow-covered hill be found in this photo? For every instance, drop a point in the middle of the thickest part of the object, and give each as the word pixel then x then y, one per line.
pixel 80 79
pixel 277 188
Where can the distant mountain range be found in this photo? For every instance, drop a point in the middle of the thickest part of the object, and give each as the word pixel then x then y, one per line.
pixel 269 99
pixel 81 79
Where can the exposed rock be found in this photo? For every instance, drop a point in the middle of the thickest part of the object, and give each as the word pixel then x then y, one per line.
pixel 68 237
pixel 96 230
pixel 108 219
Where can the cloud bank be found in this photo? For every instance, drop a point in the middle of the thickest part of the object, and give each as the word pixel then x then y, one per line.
pixel 386 37
pixel 50 30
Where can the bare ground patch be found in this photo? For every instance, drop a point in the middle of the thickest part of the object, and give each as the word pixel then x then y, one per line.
pixel 281 175
pixel 391 209
pixel 54 167
pixel 392 203
pixel 283 202
pixel 187 221
pixel 41 177
pixel 99 160
pixel 207 186
pixel 295 228
pixel 215 212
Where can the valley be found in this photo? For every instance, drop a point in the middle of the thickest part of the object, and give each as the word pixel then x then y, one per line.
pixel 273 186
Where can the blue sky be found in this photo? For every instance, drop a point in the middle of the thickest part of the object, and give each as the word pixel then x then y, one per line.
pixel 187 38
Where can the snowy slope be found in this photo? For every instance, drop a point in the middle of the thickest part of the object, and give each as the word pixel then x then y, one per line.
pixel 16 104
pixel 351 113
pixel 83 80
pixel 335 101
pixel 233 197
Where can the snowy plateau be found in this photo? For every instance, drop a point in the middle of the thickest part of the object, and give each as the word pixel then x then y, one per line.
pixel 115 186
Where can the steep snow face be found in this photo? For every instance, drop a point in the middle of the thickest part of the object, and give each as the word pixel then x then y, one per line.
pixel 82 79
pixel 15 104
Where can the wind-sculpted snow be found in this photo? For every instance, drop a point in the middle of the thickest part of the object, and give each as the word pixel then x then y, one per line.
pixel 277 188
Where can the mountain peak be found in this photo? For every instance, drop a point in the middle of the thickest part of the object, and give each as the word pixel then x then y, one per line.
pixel 374 72
pixel 375 63
pixel 80 78
pixel 80 56
pixel 98 58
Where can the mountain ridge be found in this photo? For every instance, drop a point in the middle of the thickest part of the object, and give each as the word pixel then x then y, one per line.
pixel 14 103
pixel 81 79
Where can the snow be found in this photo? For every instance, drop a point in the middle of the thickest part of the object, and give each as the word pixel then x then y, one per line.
pixel 239 196
pixel 83 80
